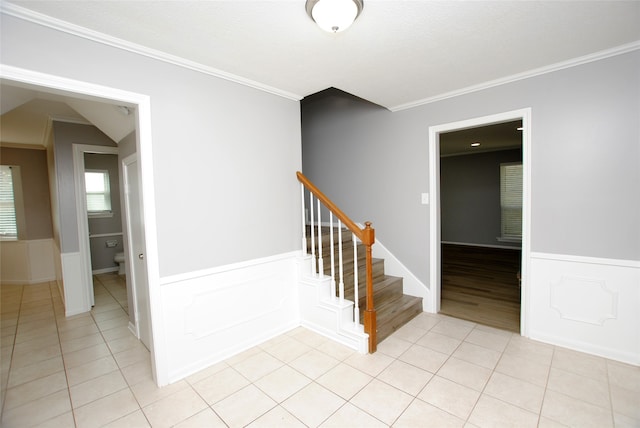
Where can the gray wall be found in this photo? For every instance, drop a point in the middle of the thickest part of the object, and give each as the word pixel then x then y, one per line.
pixel 224 154
pixel 470 197
pixel 35 190
pixel 585 156
pixel 65 135
pixel 101 255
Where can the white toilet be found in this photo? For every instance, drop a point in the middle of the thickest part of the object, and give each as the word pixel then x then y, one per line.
pixel 119 258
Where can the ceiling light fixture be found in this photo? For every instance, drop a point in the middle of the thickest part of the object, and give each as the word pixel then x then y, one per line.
pixel 476 144
pixel 334 16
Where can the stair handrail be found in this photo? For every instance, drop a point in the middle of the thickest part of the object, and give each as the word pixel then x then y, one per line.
pixel 367 237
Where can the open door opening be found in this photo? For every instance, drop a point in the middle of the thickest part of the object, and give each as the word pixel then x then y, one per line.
pixel 78 264
pixel 452 234
pixel 481 224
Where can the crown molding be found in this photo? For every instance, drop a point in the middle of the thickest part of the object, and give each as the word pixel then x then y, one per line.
pixel 619 50
pixel 76 30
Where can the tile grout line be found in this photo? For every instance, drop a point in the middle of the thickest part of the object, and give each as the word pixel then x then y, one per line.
pixel 64 367
pixel 13 347
pixel 106 343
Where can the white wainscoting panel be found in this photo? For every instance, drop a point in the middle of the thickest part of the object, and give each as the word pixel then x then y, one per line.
pixel 587 304
pixel 57 265
pixel 75 290
pixel 15 262
pixel 41 260
pixel 210 316
pixel 27 262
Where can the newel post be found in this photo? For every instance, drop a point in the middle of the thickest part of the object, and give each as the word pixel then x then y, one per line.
pixel 370 325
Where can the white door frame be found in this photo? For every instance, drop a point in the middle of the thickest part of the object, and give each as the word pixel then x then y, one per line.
pixel 434 212
pixel 81 211
pixel 142 104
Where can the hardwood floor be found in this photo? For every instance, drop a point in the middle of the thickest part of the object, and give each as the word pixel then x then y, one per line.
pixel 481 284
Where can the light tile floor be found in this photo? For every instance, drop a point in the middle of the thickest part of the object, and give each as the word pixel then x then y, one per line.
pixel 89 371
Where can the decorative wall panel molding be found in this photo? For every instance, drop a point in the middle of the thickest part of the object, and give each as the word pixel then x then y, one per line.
pixel 587 304
pixel 213 315
pixel 267 295
pixel 584 300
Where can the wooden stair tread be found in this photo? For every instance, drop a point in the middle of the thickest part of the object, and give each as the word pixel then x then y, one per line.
pixel 393 308
pixel 394 313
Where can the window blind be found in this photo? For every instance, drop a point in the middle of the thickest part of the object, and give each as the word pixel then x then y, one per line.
pixel 8 226
pixel 511 199
pixel 98 191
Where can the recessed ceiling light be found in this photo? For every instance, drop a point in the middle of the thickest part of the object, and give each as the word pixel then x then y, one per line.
pixel 520 128
pixel 476 144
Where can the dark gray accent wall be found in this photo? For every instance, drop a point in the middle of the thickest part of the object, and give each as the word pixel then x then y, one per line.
pixel 585 160
pixel 65 135
pixel 470 197
pixel 101 255
pixel 35 190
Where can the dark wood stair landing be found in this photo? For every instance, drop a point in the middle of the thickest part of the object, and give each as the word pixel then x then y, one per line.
pixel 393 308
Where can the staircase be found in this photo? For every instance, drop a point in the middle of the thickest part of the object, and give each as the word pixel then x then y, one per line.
pixel 394 309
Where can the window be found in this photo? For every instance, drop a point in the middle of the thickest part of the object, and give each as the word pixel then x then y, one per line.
pixel 8 222
pixel 98 193
pixel 511 200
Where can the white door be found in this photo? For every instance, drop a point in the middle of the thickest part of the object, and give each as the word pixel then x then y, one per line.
pixel 137 270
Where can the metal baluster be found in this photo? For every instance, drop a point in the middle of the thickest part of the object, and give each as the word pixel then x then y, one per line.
pixel 313 241
pixel 320 258
pixel 340 267
pixel 356 308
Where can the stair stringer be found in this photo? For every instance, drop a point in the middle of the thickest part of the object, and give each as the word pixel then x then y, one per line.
pixel 411 285
pixel 325 314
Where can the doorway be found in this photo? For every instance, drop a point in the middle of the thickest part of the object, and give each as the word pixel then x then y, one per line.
pixel 480 205
pixel 80 151
pixel 141 105
pixel 436 251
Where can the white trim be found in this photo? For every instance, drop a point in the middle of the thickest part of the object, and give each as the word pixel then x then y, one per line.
pixel 607 53
pixel 105 270
pixel 411 284
pixel 635 264
pixel 75 299
pixel 144 149
pixel 76 30
pixel 79 151
pixel 226 268
pixel 434 210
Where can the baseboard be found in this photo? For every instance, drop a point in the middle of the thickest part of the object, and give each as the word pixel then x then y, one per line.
pixel 105 270
pixel 468 244
pixel 28 282
pixel 133 329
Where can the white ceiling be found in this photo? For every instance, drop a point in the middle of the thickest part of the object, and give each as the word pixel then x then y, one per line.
pixel 397 54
